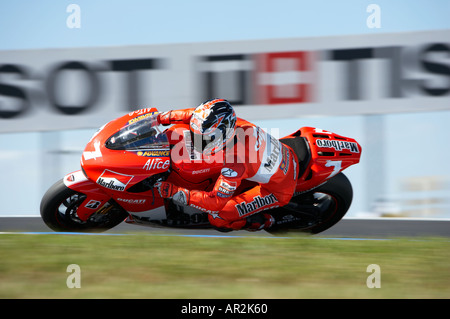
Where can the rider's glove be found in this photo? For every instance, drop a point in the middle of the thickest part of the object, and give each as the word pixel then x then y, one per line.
pixel 169 190
pixel 165 189
pixel 164 118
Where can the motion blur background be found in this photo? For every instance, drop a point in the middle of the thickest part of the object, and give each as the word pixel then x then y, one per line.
pixel 377 71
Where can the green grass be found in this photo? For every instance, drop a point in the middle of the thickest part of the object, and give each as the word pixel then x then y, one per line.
pixel 146 266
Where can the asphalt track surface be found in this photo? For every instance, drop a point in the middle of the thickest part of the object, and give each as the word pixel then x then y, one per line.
pixel 348 228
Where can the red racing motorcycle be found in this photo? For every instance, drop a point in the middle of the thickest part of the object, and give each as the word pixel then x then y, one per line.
pixel 126 158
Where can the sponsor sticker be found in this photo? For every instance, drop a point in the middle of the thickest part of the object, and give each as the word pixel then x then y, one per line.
pixel 154 153
pixel 226 189
pixel 201 171
pixel 140 115
pixel 215 213
pixel 156 163
pixel 257 203
pixel 338 145
pixel 273 153
pixel 132 201
pixel 284 165
pixel 93 204
pixel 113 180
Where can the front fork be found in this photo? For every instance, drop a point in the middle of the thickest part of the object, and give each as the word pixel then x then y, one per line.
pixel 96 202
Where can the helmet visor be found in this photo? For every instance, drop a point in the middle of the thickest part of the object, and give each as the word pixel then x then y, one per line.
pixel 207 143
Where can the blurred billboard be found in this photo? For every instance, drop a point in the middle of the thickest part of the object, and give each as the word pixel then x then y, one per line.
pixel 363 74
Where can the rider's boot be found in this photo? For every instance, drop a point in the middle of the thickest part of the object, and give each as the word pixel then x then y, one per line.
pixel 259 222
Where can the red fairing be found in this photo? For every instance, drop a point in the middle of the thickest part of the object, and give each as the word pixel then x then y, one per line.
pixel 118 168
pixel 96 198
pixel 330 154
pixel 113 163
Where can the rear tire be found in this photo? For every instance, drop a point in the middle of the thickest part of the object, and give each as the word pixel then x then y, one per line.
pixel 332 200
pixel 59 211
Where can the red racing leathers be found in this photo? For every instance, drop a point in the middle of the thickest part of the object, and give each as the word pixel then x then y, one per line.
pixel 253 155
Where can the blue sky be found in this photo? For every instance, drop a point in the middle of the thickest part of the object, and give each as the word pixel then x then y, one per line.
pixel 28 24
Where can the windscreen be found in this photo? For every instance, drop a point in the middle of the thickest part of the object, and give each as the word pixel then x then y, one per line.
pixel 140 135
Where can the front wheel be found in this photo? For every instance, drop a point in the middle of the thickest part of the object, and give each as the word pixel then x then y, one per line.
pixel 59 211
pixel 317 210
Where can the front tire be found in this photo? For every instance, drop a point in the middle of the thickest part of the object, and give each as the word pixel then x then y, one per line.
pixel 59 211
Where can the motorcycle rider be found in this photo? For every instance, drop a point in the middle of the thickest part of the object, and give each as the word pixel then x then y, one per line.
pixel 248 153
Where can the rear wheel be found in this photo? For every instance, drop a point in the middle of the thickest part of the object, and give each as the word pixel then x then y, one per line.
pixel 59 211
pixel 316 210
